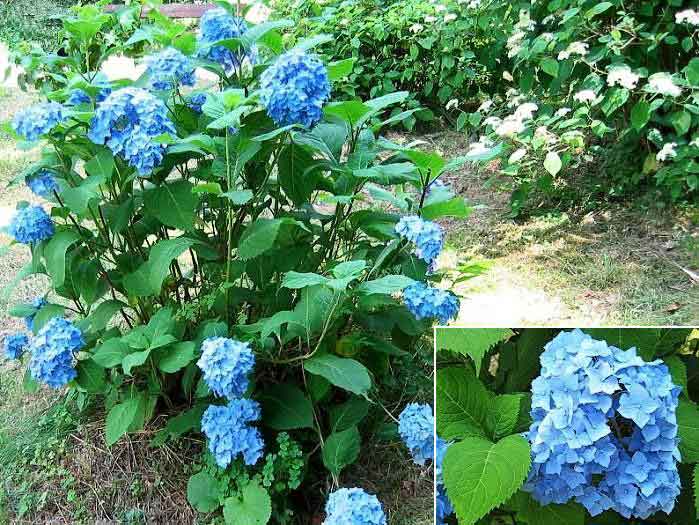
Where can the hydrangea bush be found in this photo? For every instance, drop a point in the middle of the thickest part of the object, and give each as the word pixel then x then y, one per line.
pixel 606 78
pixel 593 426
pixel 233 255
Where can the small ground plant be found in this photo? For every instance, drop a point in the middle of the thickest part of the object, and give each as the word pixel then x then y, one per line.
pixel 248 258
pixel 543 426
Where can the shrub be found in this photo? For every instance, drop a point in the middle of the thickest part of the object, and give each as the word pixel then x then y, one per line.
pixel 31 21
pixel 227 256
pixel 438 52
pixel 600 74
pixel 593 426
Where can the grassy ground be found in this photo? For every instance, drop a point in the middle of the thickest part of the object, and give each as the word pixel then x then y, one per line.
pixel 614 266
pixel 56 468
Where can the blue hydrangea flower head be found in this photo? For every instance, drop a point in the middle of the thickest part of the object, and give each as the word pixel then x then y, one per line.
pixel 426 302
pixel 42 184
pixel 416 427
pixel 604 430
pixel 427 236
pixel 169 68
pixel 229 433
pixel 53 351
pixel 295 88
pixel 353 507
pixel 127 122
pixel 15 344
pixel 196 101
pixel 77 97
pixel 444 506
pixel 35 121
pixel 30 225
pixel 226 364
pixel 218 24
pixel 38 304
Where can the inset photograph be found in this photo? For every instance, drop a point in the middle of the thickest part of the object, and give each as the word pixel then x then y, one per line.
pixel 544 426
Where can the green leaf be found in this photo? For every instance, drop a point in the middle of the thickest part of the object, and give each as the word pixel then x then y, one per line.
pixel 351 111
pixel 503 414
pixel 550 66
pixel 56 255
pixel 691 72
pixel 598 9
pixel 149 277
pixel 614 99
pixel 101 165
pixel 133 360
pixel 688 431
pixel 348 414
pixel 285 407
pixel 203 492
pixel 472 342
pixel 238 198
pixel 340 68
pixel 681 121
pixel 640 114
pixel 174 204
pixel 296 280
pixel 90 376
pixel 385 285
pixel 480 475
pixel 462 404
pixel 678 371
pixel 529 510
pixel 29 384
pixel 455 207
pixel 110 353
pixel 120 418
pixel 340 371
pixel 341 449
pixel 648 341
pixel 552 163
pixel 101 315
pixel 45 314
pixel 177 357
pixel 259 237
pixel 254 508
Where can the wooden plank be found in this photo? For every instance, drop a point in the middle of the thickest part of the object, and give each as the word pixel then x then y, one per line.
pixel 172 10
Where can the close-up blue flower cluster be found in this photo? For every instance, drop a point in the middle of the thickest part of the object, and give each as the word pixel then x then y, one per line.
pixel 30 225
pixel 444 507
pixel 353 506
pixel 604 429
pixel 128 122
pixel 53 351
pixel 295 88
pixel 42 184
pixel 427 302
pixel 15 344
pixel 77 97
pixel 196 101
pixel 416 427
pixel 216 25
pixel 425 235
pixel 169 68
pixel 38 304
pixel 229 433
pixel 226 364
pixel 35 121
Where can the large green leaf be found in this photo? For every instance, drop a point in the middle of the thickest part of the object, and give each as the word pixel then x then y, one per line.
pixel 253 508
pixel 531 512
pixel 120 418
pixel 340 371
pixel 455 207
pixel 91 376
pixel 479 475
pixel 348 414
pixel 55 254
pixel 341 449
pixel 285 407
pixel 388 284
pixel 203 492
pixel 503 414
pixel 110 353
pixel 462 404
pixel 649 342
pixel 174 204
pixel 177 357
pixel 260 236
pixel 149 277
pixel 688 431
pixel 473 342
pixel 640 114
pixel 101 315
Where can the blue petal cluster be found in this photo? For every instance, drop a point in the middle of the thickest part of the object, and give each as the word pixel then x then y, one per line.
pixel 169 68
pixel 426 302
pixel 128 121
pixel 416 427
pixel 604 430
pixel 444 506
pixel 15 344
pixel 425 235
pixel 196 101
pixel 353 507
pixel 30 225
pixel 226 364
pixel 77 97
pixel 38 304
pixel 295 88
pixel 35 121
pixel 42 184
pixel 229 434
pixel 218 24
pixel 53 350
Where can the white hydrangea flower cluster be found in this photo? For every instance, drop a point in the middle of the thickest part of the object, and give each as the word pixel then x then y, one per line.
pixel 586 95
pixel 574 48
pixel 688 16
pixel 622 76
pixel 667 152
pixel 663 84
